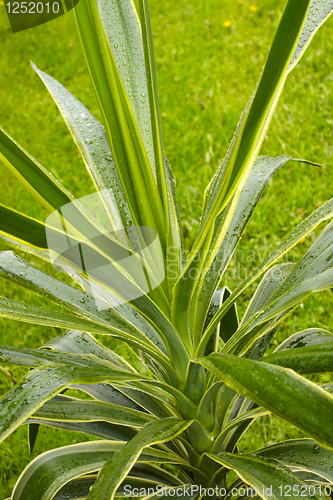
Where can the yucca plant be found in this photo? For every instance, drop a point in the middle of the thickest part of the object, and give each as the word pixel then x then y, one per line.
pixel 202 377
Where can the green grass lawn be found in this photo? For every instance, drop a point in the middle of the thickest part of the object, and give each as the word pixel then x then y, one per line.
pixel 207 69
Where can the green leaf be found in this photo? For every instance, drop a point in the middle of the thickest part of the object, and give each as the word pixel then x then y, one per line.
pixel 175 243
pixel 323 213
pixel 229 227
pixel 280 391
pixel 308 275
pixel 24 247
pixel 207 414
pixel 43 186
pixel 102 430
pixel 33 357
pixel 229 324
pixel 224 399
pixel 318 258
pixel 271 282
pixel 152 95
pixel 22 228
pixel 156 316
pixel 79 488
pixel 81 343
pixel 40 357
pixel 89 136
pixel 37 315
pixel 182 292
pixel 32 435
pixel 195 383
pixel 178 350
pixel 309 359
pixel 139 80
pixel 266 95
pixel 161 392
pixel 267 476
pixel 20 272
pixel 63 408
pixel 155 474
pixel 32 233
pixel 41 384
pixel 121 129
pixel 165 178
pixel 127 310
pixel 254 123
pixel 200 439
pixel 109 394
pixel 35 178
pixel 248 417
pixel 129 397
pixel 123 29
pixel 83 304
pixel 293 291
pixel 318 13
pixel 44 476
pixel 287 294
pixel 303 453
pixel 152 404
pixel 294 296
pixel 115 471
pixel 299 23
pixel 311 336
pixel 41 316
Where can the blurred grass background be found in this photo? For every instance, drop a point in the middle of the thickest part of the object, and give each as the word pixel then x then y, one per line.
pixel 209 56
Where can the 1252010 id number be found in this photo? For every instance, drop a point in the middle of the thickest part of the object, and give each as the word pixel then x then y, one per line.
pixel 304 490
pixel 32 8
